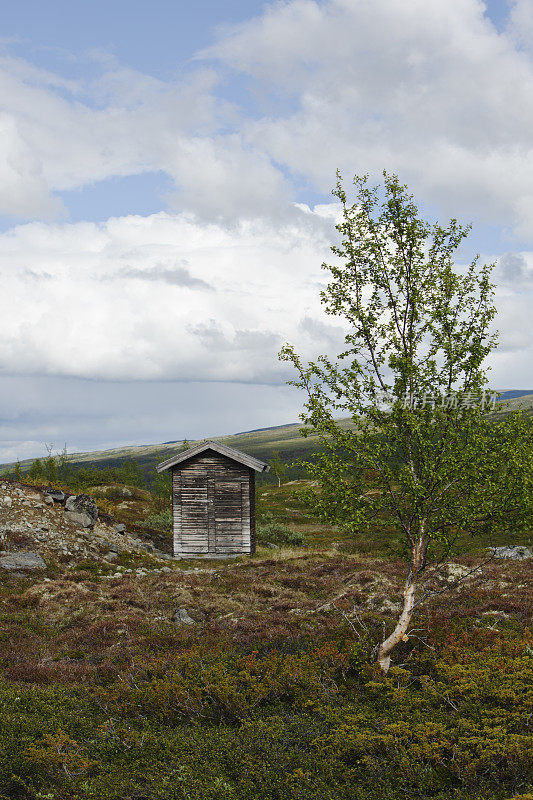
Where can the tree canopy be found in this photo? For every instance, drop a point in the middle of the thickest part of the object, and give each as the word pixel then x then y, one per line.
pixel 423 456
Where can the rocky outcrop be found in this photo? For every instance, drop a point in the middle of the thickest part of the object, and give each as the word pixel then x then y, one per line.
pixel 30 524
pixel 517 552
pixel 22 561
pixel 56 494
pixel 81 510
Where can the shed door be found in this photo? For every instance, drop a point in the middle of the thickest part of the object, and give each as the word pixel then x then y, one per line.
pixel 228 515
pixel 195 511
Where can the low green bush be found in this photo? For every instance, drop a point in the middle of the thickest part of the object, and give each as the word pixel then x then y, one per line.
pixel 268 530
pixel 162 520
pixel 212 724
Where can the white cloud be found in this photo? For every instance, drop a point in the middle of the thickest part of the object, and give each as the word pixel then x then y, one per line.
pixel 24 190
pixel 431 91
pixel 428 90
pixel 516 270
pixel 520 25
pixel 168 297
pixel 60 135
pixel 222 178
pixel 163 297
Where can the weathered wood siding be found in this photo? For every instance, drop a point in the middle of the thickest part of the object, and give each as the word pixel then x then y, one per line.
pixel 213 506
pixel 252 509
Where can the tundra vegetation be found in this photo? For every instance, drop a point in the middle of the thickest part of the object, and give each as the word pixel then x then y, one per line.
pixel 272 691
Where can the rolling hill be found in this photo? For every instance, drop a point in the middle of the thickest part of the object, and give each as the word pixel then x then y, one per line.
pixel 260 442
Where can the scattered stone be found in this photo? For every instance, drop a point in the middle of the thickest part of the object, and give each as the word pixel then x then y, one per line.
pixel 56 495
pixel 112 547
pixel 272 546
pixel 81 510
pixel 7 501
pixel 111 556
pixel 456 571
pixel 181 617
pixel 48 500
pixel 517 552
pixel 165 569
pixel 22 561
pixel 120 527
pixel 389 606
pixel 501 614
pixel 148 546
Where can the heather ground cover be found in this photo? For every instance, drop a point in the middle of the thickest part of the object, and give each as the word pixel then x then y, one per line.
pixel 273 692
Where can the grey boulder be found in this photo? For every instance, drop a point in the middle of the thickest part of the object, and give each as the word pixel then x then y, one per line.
pixel 81 510
pixel 517 552
pixel 22 561
pixel 181 617
pixel 56 495
pixel 120 527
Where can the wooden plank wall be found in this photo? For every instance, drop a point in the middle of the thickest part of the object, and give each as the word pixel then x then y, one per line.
pixel 252 509
pixel 212 506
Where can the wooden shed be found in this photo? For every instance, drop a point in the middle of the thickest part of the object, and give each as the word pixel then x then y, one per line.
pixel 213 500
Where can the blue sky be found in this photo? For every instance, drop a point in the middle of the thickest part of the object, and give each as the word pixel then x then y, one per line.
pixel 165 194
pixel 164 40
pixel 156 38
pixel 161 39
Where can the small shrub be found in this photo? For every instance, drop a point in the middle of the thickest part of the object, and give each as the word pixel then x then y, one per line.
pixel 162 520
pixel 88 565
pixel 268 530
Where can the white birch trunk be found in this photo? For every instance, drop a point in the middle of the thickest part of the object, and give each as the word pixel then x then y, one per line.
pixel 386 647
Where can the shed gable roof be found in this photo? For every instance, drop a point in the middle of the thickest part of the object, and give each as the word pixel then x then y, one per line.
pixel 218 447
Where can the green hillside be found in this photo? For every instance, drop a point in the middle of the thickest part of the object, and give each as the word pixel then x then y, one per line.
pixel 260 443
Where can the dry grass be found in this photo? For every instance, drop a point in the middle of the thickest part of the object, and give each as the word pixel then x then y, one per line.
pixel 84 628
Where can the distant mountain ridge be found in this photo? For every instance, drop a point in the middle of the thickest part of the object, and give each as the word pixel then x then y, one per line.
pixel 258 442
pixel 512 393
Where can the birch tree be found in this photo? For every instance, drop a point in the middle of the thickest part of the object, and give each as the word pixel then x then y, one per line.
pixel 422 456
pixel 278 467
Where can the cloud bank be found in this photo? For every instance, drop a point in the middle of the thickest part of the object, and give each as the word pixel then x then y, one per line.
pixel 160 298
